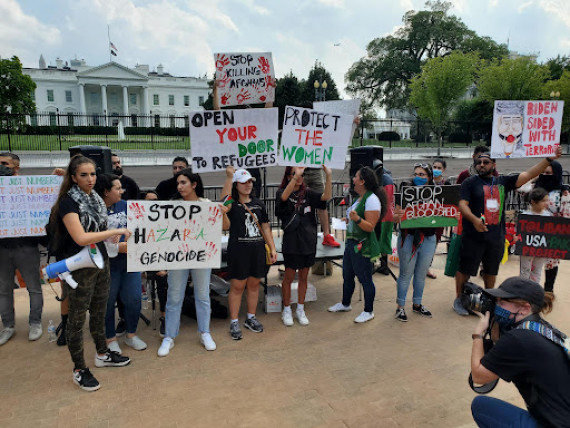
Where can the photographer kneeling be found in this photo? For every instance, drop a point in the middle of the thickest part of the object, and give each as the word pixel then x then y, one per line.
pixel 529 352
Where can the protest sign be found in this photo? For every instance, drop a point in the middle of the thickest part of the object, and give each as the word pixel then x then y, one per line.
pixel 540 236
pixel 242 138
pixel 313 138
pixel 173 235
pixel 25 204
pixel 351 107
pixel 245 78
pixel 526 128
pixel 428 206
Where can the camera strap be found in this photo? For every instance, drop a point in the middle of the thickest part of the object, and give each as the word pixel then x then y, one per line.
pixel 548 331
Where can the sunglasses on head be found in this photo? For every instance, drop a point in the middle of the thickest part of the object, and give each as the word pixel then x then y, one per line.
pixel 421 165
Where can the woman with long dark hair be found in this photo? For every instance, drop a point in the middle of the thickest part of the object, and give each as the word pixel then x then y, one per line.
pixel 296 206
pixel 362 247
pixel 81 218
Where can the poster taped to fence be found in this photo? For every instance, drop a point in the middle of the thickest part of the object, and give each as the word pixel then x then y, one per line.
pixel 245 78
pixel 524 129
pixel 428 206
pixel 241 138
pixel 25 204
pixel 351 107
pixel 540 236
pixel 173 235
pixel 313 138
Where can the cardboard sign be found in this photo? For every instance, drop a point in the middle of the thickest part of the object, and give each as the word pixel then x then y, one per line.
pixel 242 138
pixel 428 206
pixel 245 78
pixel 526 128
pixel 25 204
pixel 313 138
pixel 173 235
pixel 351 107
pixel 541 236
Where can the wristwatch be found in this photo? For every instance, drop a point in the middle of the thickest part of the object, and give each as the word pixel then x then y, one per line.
pixel 359 220
pixel 549 160
pixel 476 336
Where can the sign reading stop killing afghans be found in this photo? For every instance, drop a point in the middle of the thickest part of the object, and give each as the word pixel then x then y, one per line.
pixel 542 236
pixel 526 128
pixel 25 204
pixel 313 138
pixel 244 138
pixel 245 78
pixel 429 206
pixel 173 235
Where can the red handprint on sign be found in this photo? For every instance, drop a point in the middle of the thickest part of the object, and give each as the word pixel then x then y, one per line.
pixel 225 98
pixel 243 96
pixel 213 214
pixel 211 249
pixel 221 61
pixel 264 65
pixel 223 81
pixel 137 210
pixel 269 82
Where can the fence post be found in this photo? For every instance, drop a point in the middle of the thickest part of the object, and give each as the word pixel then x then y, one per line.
pixel 58 128
pixel 8 132
pixel 362 132
pixel 390 132
pixel 151 125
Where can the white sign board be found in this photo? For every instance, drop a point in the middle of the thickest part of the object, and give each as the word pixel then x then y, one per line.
pixel 25 204
pixel 245 138
pixel 245 78
pixel 351 107
pixel 170 235
pixel 526 128
pixel 313 138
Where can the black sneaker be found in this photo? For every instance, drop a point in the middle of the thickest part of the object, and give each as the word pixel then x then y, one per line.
pixel 85 380
pixel 235 331
pixel 421 310
pixel 253 324
pixel 121 328
pixel 401 315
pixel 61 339
pixel 111 359
pixel 162 328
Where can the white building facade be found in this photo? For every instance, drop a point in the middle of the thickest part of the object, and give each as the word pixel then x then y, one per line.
pixel 109 93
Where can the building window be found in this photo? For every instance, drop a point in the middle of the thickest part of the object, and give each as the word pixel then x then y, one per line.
pixel 201 100
pixel 172 121
pixel 52 119
pixel 171 100
pixel 186 100
pixel 133 99
pixel 93 96
pixel 68 97
pixel 50 97
pixel 70 119
pixel 115 119
pixel 186 122
pixel 134 120
pixel 34 120
pixel 95 119
pixel 155 99
pixel 114 98
pixel 157 120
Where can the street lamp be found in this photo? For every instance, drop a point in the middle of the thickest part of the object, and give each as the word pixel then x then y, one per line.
pixel 320 90
pixel 555 94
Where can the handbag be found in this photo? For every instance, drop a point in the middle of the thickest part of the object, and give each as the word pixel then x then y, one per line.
pixel 267 247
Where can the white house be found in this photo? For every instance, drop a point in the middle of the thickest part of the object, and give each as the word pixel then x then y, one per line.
pixel 105 94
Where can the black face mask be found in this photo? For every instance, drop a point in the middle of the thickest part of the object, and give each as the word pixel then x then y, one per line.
pixel 548 182
pixel 6 170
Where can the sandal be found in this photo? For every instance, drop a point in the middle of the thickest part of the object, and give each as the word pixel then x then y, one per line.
pixel 431 275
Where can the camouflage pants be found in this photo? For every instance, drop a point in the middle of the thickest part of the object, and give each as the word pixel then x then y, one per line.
pixel 90 295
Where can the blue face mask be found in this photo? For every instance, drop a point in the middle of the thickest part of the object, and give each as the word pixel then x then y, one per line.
pixel 419 181
pixel 437 172
pixel 503 318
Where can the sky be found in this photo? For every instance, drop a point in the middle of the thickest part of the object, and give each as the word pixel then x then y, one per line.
pixel 183 35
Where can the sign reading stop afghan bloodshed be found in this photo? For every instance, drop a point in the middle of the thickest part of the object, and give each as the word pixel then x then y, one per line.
pixel 526 128
pixel 173 235
pixel 541 236
pixel 313 138
pixel 429 206
pixel 245 78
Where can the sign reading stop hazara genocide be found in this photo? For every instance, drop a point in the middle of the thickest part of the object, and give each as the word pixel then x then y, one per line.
pixel 170 235
pixel 245 78
pixel 244 138
pixel 526 128
pixel 313 138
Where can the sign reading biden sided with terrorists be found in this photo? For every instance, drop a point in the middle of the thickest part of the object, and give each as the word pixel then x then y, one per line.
pixel 241 138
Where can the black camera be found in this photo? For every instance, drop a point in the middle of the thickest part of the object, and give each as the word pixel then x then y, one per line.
pixel 474 299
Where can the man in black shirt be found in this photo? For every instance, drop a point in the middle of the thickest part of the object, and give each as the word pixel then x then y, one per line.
pixel 131 189
pixel 166 189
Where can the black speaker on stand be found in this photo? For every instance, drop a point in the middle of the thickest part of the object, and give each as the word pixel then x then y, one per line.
pixel 98 154
pixel 371 156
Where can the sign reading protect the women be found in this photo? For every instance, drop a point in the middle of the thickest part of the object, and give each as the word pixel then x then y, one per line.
pixel 173 235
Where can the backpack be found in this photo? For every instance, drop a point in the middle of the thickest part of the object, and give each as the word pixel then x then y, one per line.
pixel 53 238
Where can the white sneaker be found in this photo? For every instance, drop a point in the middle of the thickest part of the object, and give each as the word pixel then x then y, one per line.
pixel 339 307
pixel 6 335
pixel 364 316
pixel 136 343
pixel 114 346
pixel 301 317
pixel 207 341
pixel 287 317
pixel 165 347
pixel 35 332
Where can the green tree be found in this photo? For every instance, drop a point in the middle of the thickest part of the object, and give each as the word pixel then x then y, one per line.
pixel 287 93
pixel 382 77
pixel 440 85
pixel 557 66
pixel 560 88
pixel 512 79
pixel 318 73
pixel 16 88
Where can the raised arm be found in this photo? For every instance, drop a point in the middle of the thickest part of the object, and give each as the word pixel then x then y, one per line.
pixel 291 186
pixel 534 171
pixel 327 194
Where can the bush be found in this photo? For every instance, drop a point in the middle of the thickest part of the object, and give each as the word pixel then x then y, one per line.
pixel 388 136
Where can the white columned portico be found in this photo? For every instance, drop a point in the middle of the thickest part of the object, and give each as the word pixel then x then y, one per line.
pixel 125 106
pixel 104 103
pixel 82 108
pixel 145 109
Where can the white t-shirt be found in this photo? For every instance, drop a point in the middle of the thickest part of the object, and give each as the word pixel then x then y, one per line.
pixel 372 204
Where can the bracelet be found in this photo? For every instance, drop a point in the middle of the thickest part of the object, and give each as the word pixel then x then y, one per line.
pixel 359 220
pixel 549 160
pixel 476 336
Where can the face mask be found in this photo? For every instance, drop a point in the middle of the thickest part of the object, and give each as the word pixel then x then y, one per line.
pixel 549 182
pixel 503 318
pixel 437 172
pixel 419 181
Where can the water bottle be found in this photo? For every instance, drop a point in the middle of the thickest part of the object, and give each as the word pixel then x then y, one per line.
pixel 52 337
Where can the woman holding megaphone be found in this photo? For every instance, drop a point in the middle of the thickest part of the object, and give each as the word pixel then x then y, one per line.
pixel 81 218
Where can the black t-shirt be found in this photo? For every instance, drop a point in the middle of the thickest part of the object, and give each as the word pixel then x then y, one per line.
pixel 302 240
pixel 539 369
pixel 166 189
pixel 473 191
pixel 132 190
pixel 243 229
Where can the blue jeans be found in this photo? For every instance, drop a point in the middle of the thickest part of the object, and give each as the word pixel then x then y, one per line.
pixel 416 266
pixel 493 413
pixel 177 280
pixel 356 264
pixel 126 286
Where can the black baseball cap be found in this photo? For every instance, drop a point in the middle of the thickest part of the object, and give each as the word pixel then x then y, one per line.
pixel 518 288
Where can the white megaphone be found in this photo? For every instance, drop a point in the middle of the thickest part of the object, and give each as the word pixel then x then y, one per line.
pixel 88 257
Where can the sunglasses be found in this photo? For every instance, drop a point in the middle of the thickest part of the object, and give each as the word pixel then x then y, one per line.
pixel 421 165
pixel 484 162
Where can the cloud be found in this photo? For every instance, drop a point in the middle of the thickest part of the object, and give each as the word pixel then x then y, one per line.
pixel 558 8
pixel 260 10
pixel 338 4
pixel 524 6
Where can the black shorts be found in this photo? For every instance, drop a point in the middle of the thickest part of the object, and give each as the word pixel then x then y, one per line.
pixel 298 261
pixel 247 260
pixel 473 252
